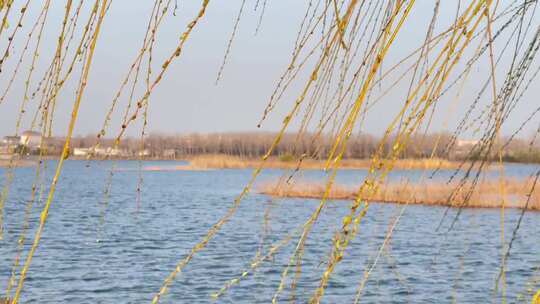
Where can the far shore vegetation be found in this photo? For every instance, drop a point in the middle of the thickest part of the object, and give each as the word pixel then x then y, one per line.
pixel 221 161
pixel 245 150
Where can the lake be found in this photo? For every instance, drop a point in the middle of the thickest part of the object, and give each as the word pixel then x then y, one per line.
pixel 98 250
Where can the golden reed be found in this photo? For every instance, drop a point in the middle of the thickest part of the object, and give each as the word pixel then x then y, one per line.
pixel 486 194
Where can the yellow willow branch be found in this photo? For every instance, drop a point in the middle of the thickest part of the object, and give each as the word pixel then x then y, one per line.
pixel 536 298
pixel 341 242
pixel 324 280
pixel 217 226
pixel 65 152
pixel 177 52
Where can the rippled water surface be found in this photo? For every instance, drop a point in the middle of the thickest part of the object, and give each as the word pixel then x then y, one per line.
pixel 98 250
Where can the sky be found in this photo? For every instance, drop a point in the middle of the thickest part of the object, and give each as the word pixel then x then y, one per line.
pixel 188 100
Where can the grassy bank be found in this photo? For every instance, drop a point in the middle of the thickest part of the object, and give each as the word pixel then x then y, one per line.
pixel 485 195
pixel 4 163
pixel 220 161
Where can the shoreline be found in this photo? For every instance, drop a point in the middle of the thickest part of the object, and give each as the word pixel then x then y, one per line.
pixel 205 162
pixel 235 162
pixel 18 163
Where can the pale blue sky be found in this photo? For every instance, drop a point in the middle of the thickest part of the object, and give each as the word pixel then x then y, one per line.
pixel 187 100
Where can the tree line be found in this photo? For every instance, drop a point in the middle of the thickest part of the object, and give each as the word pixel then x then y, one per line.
pixel 292 145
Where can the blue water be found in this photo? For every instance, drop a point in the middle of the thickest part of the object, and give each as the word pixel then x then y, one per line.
pixel 95 250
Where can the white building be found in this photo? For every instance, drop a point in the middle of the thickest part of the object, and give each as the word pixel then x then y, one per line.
pixel 11 140
pixel 144 153
pixel 462 143
pixel 117 152
pixel 108 151
pixel 81 151
pixel 30 139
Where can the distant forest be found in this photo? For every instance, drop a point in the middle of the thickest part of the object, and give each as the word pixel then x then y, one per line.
pixel 292 146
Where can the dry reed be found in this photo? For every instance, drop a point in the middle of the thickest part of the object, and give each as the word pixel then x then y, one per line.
pixel 220 161
pixel 485 195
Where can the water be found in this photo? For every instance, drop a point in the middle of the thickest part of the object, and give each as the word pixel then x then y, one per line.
pixel 124 256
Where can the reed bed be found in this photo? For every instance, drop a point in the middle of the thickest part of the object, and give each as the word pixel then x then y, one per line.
pixel 219 161
pixel 486 194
